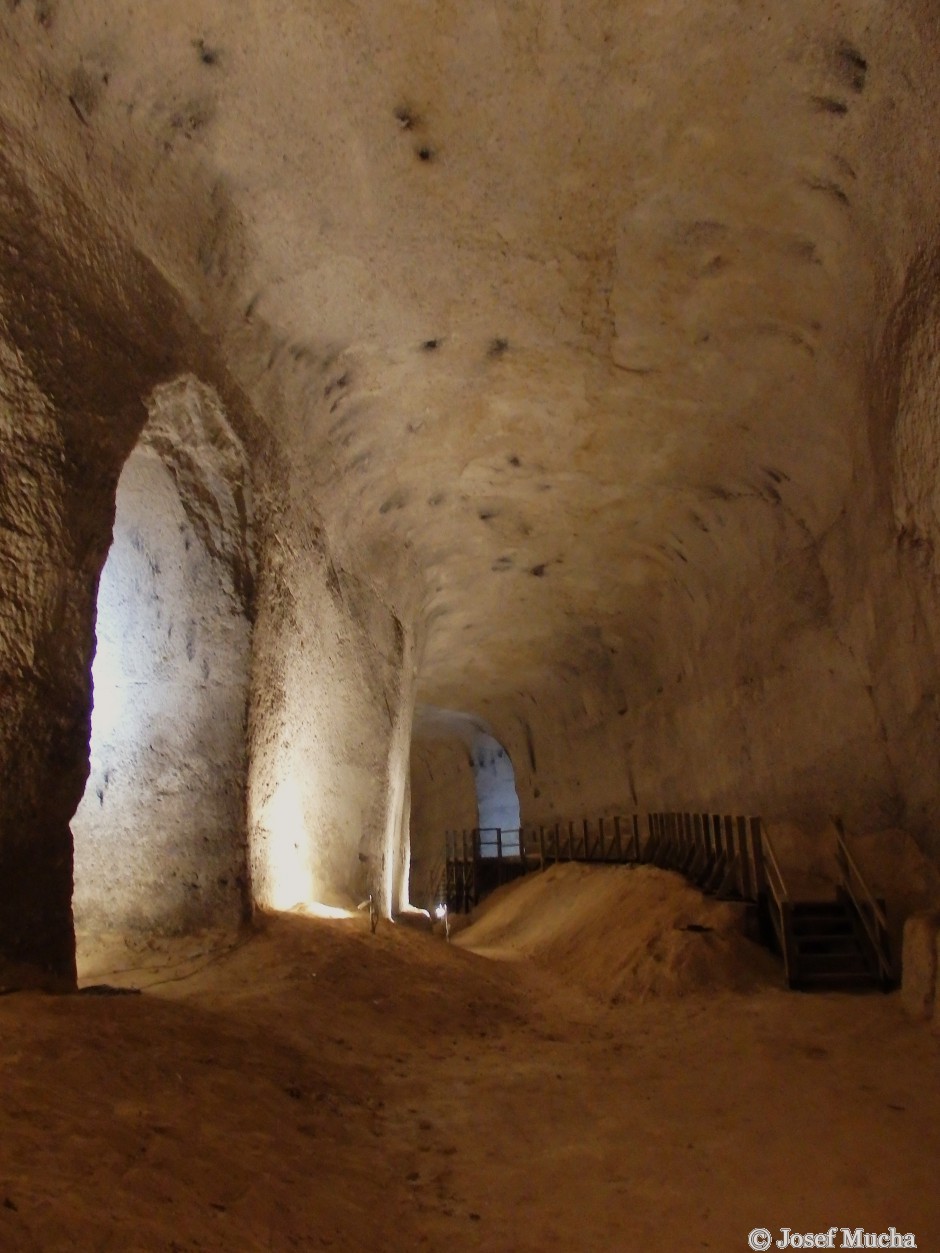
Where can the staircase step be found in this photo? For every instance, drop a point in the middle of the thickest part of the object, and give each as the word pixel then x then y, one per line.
pixel 819 928
pixel 841 979
pixel 821 909
pixel 826 944
pixel 832 963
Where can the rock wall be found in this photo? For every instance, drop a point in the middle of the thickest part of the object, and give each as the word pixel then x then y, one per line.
pixel 73 370
pixel 160 835
pixel 332 699
pixel 443 798
pixel 48 592
pixel 90 336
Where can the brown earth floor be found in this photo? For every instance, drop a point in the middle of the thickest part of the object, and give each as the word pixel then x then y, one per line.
pixel 318 1087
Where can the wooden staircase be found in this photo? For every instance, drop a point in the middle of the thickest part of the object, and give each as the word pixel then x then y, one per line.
pixel 839 944
pixel 828 950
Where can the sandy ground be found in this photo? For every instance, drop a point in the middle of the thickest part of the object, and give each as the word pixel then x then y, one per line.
pixel 319 1087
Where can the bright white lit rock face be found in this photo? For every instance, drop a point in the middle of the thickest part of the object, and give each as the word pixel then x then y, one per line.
pixel 160 833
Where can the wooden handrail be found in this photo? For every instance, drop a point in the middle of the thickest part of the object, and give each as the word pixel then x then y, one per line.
pixel 873 916
pixel 771 860
pixel 779 901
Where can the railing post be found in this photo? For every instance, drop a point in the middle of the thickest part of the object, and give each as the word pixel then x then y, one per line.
pixel 571 841
pixel 499 854
pixel 587 851
pixel 541 848
pixel 636 838
pixel 600 838
pixel 745 859
pixel 757 848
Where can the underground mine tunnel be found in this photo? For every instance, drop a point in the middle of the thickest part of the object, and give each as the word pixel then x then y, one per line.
pixel 425 421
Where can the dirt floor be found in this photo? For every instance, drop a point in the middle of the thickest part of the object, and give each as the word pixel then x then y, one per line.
pixel 319 1087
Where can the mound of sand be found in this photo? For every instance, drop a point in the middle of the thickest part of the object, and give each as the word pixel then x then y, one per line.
pixel 621 933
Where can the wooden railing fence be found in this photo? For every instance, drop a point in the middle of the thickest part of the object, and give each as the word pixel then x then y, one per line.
pixel 722 854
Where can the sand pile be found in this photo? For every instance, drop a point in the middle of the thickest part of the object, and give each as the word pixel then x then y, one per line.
pixel 621 932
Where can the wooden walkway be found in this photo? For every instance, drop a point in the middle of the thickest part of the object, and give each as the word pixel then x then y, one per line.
pixel 720 853
pixel 839 943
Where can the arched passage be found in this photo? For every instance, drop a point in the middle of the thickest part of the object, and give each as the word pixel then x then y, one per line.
pixel 497 801
pixel 159 836
pixel 461 777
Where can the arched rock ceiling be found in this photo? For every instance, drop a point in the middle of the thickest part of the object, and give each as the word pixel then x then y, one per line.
pixel 564 311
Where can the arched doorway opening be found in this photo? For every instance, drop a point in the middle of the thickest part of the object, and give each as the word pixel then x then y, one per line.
pixel 461 778
pixel 159 836
pixel 498 819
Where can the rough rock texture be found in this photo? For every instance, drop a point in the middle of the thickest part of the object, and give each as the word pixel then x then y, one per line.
pixel 919 984
pixel 329 731
pixel 160 833
pixel 593 345
pixel 443 798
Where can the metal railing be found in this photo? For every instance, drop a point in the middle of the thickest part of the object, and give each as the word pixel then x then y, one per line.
pixel 869 911
pixel 722 854
pixel 780 908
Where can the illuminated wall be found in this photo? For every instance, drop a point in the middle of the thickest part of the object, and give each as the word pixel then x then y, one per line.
pixel 330 725
pixel 159 836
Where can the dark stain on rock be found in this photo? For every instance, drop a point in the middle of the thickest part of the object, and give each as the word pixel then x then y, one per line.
pixel 337 384
pixel 332 581
pixel 397 500
pixel 84 92
pixel 851 66
pixel 501 564
pixel 436 499
pixel 778 476
pixel 704 233
pixel 207 55
pixel 431 345
pixel 486 514
pixel 845 166
pixel 407 119
pixel 498 345
pixel 829 104
pixel 514 461
pixel 803 250
pixel 424 153
pixel 538 571
pixel 77 111
pixel 189 121
pixel 829 188
pixel 715 265
pixel 787 334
